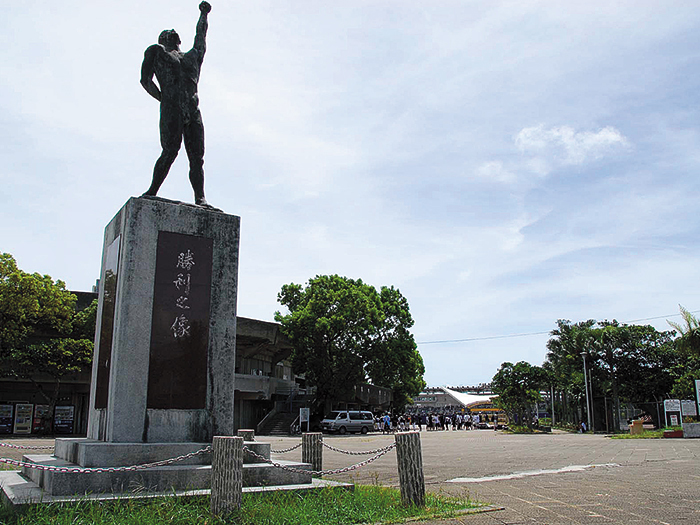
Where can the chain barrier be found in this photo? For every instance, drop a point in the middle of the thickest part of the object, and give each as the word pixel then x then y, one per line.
pixel 321 472
pixel 378 453
pixel 85 470
pixel 25 447
pixel 353 453
pixel 330 447
pixel 285 450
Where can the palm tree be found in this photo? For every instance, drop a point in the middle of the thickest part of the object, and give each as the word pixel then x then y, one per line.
pixel 689 331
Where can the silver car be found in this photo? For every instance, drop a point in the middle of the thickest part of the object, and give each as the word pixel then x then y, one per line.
pixel 343 421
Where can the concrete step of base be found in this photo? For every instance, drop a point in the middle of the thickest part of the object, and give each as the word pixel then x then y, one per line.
pixel 158 479
pixel 168 478
pixel 264 474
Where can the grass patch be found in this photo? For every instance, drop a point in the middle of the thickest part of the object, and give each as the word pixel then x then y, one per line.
pixel 366 504
pixel 522 429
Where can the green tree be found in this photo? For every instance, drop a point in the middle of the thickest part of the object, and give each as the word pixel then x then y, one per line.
pixel 31 303
pixel 518 387
pixel 644 366
pixel 393 360
pixel 632 363
pixel 688 331
pixel 637 359
pixel 685 373
pixel 565 364
pixel 344 332
pixel 41 334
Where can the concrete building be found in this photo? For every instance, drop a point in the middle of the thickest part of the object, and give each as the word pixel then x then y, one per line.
pixel 263 376
pixel 266 389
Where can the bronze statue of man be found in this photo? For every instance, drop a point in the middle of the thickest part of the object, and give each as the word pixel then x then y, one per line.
pixel 177 74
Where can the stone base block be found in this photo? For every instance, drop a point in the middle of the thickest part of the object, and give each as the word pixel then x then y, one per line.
pixel 261 449
pixel 90 453
pixel 158 479
pixel 691 430
pixel 265 475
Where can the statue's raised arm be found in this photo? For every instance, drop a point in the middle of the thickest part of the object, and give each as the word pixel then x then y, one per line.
pixel 202 25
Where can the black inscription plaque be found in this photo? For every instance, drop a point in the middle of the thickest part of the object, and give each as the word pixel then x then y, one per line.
pixel 109 284
pixel 177 373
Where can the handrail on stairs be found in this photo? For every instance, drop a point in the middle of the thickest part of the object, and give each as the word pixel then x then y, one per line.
pixel 260 426
pixel 293 426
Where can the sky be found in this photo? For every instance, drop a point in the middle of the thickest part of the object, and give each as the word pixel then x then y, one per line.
pixel 504 164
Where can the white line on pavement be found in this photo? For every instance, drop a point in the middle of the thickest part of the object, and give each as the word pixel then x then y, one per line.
pixel 517 475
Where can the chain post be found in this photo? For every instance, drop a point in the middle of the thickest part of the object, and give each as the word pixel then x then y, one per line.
pixel 312 450
pixel 246 434
pixel 226 474
pixel 410 463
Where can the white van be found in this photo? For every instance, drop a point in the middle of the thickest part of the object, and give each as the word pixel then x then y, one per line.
pixel 343 421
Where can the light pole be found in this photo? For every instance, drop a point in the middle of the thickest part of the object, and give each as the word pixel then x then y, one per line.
pixel 585 384
pixel 552 399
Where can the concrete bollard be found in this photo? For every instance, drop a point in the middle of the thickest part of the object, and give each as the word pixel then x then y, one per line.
pixel 246 434
pixel 410 462
pixel 312 450
pixel 226 474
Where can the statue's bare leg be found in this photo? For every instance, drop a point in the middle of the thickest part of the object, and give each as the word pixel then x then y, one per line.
pixel 194 145
pixel 170 140
pixel 160 170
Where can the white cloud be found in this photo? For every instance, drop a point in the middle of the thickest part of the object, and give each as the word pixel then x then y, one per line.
pixel 545 150
pixel 401 146
pixel 495 171
pixel 567 146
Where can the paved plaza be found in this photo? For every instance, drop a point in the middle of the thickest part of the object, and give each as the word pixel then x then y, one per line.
pixel 543 479
pixel 549 479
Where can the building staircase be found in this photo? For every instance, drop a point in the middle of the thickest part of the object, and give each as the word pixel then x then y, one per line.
pixel 278 424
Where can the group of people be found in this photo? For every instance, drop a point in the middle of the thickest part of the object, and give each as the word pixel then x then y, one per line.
pixel 392 423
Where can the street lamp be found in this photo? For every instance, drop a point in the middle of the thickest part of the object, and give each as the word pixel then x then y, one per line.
pixel 585 384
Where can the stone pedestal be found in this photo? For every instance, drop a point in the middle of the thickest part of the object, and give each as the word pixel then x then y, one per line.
pixel 165 339
pixel 164 367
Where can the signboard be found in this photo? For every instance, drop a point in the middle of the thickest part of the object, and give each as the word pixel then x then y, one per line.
pixel 40 413
pixel 688 407
pixel 304 417
pixel 6 419
pixel 23 418
pixel 672 411
pixel 672 405
pixel 697 391
pixel 63 419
